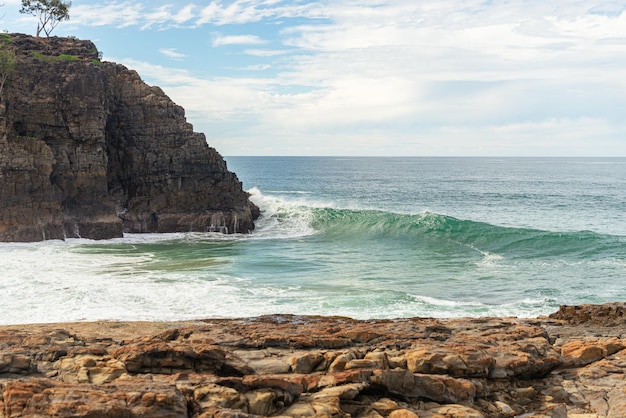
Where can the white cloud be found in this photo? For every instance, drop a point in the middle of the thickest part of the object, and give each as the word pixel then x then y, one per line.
pixel 256 67
pixel 184 15
pixel 218 97
pixel 172 14
pixel 243 116
pixel 266 52
pixel 126 13
pixel 163 16
pixel 172 53
pixel 220 40
pixel 235 13
pixel 446 76
pixel 249 11
pixel 110 14
pixel 553 136
pixel 348 102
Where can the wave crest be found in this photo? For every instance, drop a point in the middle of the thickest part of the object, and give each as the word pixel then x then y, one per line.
pixel 283 218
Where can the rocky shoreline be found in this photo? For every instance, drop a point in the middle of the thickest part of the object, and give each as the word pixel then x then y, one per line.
pixel 570 364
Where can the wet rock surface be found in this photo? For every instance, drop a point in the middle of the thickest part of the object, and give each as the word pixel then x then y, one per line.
pixel 294 366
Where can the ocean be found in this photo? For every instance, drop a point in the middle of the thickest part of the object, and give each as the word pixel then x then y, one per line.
pixel 358 237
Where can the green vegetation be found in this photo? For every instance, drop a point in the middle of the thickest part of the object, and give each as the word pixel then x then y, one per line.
pixel 49 13
pixel 96 61
pixel 49 58
pixel 43 57
pixel 66 57
pixel 5 39
pixel 8 61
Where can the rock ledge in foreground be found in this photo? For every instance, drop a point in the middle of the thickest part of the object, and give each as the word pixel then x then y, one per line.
pixel 319 367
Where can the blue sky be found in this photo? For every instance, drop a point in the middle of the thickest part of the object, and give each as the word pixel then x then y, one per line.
pixel 375 77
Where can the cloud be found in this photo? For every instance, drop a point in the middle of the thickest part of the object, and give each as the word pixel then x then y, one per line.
pixel 110 14
pixel 390 117
pixel 552 136
pixel 446 76
pixel 246 11
pixel 164 16
pixel 220 40
pixel 125 14
pixel 257 67
pixel 220 97
pixel 172 53
pixel 184 15
pixel 346 102
pixel 172 14
pixel 266 52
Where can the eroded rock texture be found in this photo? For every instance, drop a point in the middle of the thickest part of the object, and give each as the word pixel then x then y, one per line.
pixel 89 150
pixel 291 366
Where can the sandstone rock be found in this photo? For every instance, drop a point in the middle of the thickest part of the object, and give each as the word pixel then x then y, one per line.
pixel 534 357
pixel 437 388
pixel 609 315
pixel 153 356
pixel 263 362
pixel 384 406
pixel 452 411
pixel 90 369
pixel 578 353
pixel 552 411
pixel 339 363
pixel 403 413
pixel 452 360
pixel 45 398
pixel 306 362
pixel 487 367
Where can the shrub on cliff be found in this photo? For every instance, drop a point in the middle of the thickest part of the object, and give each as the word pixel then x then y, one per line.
pixel 8 61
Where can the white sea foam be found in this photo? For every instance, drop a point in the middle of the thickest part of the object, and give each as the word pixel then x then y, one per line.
pixel 302 199
pixel 66 281
pixel 288 192
pixel 442 308
pixel 281 218
pixel 62 281
pixel 431 301
pixel 52 284
pixel 489 259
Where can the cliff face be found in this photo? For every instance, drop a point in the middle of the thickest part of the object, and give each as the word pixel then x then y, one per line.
pixel 89 150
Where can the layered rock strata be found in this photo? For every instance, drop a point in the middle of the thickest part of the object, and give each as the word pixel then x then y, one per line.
pixel 89 150
pixel 570 365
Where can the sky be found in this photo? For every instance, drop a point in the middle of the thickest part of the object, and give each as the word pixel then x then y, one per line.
pixel 374 77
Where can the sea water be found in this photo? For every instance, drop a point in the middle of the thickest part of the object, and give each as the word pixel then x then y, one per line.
pixel 358 237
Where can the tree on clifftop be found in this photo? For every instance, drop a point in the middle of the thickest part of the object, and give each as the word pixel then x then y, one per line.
pixel 49 13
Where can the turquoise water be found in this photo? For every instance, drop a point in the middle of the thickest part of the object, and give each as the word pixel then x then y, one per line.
pixel 360 237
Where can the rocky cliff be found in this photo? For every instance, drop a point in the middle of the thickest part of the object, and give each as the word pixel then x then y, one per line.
pixel 89 150
pixel 569 365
